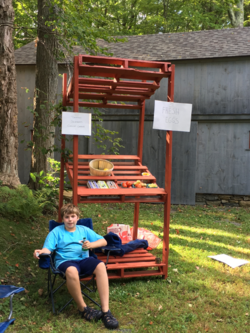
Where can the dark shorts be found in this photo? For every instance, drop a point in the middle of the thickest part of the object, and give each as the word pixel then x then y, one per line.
pixel 84 266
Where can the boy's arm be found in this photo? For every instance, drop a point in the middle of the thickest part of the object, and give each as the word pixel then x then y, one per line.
pixel 93 245
pixel 38 252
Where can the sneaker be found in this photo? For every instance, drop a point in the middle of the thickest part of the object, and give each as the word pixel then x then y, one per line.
pixel 109 321
pixel 91 314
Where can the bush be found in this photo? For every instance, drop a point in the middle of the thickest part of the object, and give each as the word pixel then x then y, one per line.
pixel 19 203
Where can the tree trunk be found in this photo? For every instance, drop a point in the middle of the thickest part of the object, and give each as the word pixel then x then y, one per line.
pixel 46 89
pixel 237 17
pixel 8 99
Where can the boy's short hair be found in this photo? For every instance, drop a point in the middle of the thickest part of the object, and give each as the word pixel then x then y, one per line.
pixel 70 209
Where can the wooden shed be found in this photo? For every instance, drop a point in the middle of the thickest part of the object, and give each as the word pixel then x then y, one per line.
pixel 212 73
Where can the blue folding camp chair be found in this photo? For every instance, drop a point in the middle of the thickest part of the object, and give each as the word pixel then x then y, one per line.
pixel 47 262
pixel 6 291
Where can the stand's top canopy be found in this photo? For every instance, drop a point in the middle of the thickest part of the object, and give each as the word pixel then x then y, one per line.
pixel 107 82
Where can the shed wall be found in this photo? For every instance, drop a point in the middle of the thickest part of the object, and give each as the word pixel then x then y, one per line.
pixel 223 158
pixel 215 87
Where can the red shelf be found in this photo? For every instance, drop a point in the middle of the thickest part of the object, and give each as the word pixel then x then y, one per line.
pixel 106 82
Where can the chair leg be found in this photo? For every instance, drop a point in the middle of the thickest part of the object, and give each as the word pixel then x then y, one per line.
pixel 91 299
pixel 50 287
pixel 65 305
pixel 11 308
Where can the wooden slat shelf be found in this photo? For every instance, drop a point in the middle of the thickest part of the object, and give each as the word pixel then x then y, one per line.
pixel 120 194
pixel 107 82
pixel 132 261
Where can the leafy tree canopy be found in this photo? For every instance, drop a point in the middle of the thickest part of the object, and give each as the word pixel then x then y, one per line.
pixel 81 22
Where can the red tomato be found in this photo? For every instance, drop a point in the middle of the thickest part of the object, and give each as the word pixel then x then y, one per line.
pixel 129 183
pixel 124 185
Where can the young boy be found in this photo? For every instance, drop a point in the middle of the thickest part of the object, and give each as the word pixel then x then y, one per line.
pixel 66 240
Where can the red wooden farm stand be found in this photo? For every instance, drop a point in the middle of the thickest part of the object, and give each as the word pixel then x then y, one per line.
pixel 99 82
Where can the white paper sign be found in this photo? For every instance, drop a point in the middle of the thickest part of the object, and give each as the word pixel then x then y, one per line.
pixel 230 261
pixel 172 116
pixel 75 123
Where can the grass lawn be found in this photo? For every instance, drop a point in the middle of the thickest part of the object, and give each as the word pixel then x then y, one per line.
pixel 199 295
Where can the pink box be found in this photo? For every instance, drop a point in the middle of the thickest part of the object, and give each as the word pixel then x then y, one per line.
pixel 122 230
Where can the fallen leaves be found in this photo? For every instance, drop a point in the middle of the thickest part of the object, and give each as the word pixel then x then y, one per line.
pixel 17 265
pixel 40 292
pixel 177 231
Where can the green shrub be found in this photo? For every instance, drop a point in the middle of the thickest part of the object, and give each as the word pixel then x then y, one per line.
pixel 19 203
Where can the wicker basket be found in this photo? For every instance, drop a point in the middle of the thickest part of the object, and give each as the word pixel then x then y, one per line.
pixel 97 167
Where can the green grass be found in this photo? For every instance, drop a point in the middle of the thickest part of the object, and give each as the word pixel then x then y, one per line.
pixel 199 295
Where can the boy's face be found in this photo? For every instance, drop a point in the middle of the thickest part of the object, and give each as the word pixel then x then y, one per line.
pixel 70 221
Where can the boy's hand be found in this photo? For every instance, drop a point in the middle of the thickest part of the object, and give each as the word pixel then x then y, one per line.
pixel 87 245
pixel 36 254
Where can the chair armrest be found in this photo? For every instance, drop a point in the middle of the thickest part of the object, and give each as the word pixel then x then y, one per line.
pixel 109 249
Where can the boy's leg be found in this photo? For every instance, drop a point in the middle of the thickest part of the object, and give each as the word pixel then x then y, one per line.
pixel 74 287
pixel 103 288
pixel 102 285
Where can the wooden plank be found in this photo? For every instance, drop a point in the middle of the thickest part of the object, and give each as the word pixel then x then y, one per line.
pixel 134 265
pixel 121 61
pixel 132 253
pixel 137 256
pixel 116 167
pixel 121 191
pixel 86 172
pixel 107 97
pixel 128 73
pixel 108 157
pixel 121 199
pixel 142 93
pixel 127 260
pixel 121 178
pixel 103 105
pixel 121 83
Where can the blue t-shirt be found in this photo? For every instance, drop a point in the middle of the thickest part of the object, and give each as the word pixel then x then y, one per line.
pixel 68 245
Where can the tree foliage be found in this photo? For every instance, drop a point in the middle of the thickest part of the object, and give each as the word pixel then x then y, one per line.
pixel 135 17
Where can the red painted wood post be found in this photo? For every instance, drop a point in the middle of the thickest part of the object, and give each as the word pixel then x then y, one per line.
pixel 168 176
pixel 61 178
pixel 75 137
pixel 136 220
pixel 141 129
pixel 64 89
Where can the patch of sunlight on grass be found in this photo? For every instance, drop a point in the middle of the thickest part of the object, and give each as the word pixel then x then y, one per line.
pixel 211 243
pixel 207 231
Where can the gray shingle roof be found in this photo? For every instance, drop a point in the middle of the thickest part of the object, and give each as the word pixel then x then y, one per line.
pixel 172 46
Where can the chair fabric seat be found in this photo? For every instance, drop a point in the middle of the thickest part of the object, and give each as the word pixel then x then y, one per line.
pixel 4 325
pixel 6 291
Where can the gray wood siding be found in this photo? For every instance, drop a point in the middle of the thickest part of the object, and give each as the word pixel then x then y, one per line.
pixel 184 166
pixel 223 161
pixel 214 86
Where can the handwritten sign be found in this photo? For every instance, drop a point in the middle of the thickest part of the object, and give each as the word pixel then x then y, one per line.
pixel 172 116
pixel 75 123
